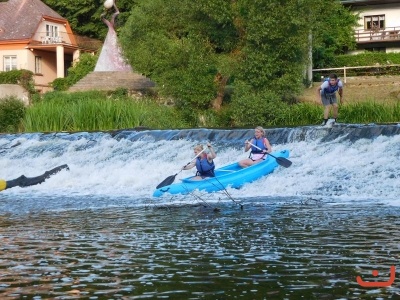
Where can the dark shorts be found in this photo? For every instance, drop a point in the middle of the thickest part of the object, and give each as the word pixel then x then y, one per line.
pixel 328 99
pixel 205 175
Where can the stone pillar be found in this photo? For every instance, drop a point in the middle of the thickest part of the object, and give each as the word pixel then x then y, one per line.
pixel 60 61
pixel 75 56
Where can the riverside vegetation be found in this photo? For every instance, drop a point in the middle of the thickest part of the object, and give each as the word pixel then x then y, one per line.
pixel 91 111
pixel 372 99
pixel 221 64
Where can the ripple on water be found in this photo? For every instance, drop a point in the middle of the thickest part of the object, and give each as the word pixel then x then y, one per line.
pixel 263 251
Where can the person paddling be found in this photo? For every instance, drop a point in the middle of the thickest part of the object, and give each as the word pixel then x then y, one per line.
pixel 261 146
pixel 204 163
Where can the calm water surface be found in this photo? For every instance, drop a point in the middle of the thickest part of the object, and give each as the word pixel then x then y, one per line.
pixel 272 249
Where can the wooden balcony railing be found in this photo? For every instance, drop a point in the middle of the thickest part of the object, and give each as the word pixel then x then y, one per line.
pixel 383 35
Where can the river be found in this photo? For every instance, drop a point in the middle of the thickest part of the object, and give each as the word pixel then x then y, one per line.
pixel 303 232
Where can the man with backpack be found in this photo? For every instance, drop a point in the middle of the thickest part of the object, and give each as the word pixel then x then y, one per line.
pixel 327 95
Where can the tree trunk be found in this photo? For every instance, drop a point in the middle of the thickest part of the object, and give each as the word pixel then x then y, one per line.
pixel 221 82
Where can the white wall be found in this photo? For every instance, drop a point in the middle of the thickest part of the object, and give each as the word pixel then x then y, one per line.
pixel 391 12
pixel 14 90
pixel 22 59
pixel 41 32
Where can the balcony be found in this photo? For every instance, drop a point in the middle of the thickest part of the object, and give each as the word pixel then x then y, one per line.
pixel 51 39
pixel 46 39
pixel 389 34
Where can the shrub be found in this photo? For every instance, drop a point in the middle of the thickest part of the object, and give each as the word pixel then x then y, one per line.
pixel 366 59
pixel 12 112
pixel 250 108
pixel 86 64
pixel 21 77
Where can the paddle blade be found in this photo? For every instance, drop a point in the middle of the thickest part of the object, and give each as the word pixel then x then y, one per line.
pixel 283 162
pixel 167 181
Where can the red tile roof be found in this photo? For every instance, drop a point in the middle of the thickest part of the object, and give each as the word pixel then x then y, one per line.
pixel 19 19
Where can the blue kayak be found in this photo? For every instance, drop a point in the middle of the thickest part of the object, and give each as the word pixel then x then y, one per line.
pixel 228 176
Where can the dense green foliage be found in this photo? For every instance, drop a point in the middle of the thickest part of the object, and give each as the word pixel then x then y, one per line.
pixel 59 111
pixel 22 77
pixel 12 111
pixel 194 50
pixel 85 65
pixel 366 59
pixel 378 61
pixel 333 32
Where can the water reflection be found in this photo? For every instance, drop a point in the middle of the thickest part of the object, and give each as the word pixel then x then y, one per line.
pixel 266 251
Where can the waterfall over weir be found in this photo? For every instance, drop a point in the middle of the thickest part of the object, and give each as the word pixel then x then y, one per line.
pixel 234 137
pixel 344 163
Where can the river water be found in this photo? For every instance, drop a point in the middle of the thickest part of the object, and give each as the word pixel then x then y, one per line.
pixel 303 232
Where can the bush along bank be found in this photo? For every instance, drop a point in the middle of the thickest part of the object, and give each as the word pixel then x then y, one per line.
pixel 92 111
pixel 12 113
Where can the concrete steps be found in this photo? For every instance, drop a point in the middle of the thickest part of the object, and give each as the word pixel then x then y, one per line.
pixel 110 81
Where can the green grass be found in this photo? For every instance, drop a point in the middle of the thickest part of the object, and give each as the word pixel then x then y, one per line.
pixel 370 112
pixel 90 111
pixel 100 111
pixel 359 112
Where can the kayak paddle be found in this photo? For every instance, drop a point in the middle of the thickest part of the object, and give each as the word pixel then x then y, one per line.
pixel 280 160
pixel 170 179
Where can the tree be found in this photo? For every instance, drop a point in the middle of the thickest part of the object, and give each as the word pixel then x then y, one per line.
pixel 333 32
pixel 184 46
pixel 192 49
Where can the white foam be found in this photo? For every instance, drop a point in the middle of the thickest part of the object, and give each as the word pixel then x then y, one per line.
pixel 340 170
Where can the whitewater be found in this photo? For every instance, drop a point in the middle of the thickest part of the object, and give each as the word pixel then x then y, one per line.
pixel 344 164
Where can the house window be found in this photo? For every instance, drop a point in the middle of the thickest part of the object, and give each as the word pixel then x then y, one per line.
pixel 51 30
pixel 374 22
pixel 10 62
pixel 38 64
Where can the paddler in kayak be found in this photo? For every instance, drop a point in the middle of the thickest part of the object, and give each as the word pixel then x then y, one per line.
pixel 204 162
pixel 259 149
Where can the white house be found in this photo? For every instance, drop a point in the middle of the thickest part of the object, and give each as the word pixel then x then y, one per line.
pixel 379 24
pixel 36 38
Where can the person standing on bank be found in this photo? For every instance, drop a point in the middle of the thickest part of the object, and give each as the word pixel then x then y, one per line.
pixel 204 163
pixel 256 155
pixel 327 95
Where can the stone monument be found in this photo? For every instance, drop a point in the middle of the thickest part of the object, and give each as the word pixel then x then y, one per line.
pixel 111 58
pixel 112 71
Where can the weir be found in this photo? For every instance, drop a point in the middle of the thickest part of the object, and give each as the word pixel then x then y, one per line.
pixel 350 132
pixel 344 163
pixel 275 135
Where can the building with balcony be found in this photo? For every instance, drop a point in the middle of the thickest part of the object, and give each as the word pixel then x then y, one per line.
pixel 379 24
pixel 36 38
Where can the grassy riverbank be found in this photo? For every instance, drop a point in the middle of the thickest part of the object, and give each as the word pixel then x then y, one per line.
pixel 98 111
pixel 361 89
pixel 91 111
